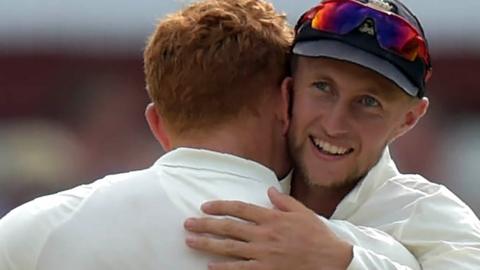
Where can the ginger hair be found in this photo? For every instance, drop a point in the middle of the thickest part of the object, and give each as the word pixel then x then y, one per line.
pixel 214 59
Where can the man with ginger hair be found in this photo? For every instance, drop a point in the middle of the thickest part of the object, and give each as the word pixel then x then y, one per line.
pixel 214 72
pixel 206 66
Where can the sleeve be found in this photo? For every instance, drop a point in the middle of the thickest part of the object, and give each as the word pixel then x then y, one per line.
pixel 372 249
pixel 364 259
pixel 439 229
pixel 19 240
pixel 24 231
pixel 442 232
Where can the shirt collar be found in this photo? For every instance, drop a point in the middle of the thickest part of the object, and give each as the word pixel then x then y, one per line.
pixel 384 170
pixel 286 183
pixel 221 162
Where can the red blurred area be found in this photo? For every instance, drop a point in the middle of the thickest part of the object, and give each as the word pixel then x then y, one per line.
pixel 78 117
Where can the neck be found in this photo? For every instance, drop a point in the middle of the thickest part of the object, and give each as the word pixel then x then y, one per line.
pixel 251 140
pixel 322 200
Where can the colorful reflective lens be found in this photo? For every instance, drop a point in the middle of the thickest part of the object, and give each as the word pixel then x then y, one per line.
pixel 393 33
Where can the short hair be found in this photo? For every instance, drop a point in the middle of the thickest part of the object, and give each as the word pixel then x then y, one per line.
pixel 214 59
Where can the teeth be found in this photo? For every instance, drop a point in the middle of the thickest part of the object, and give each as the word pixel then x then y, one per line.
pixel 329 148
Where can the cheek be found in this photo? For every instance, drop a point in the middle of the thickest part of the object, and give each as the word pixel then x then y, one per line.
pixel 306 108
pixel 299 115
pixel 301 122
pixel 296 131
pixel 373 144
pixel 374 136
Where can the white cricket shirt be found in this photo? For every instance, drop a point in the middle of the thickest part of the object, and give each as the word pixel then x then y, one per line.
pixel 437 227
pixel 135 220
pixel 132 220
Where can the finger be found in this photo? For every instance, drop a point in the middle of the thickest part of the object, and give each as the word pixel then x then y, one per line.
pixel 285 202
pixel 235 265
pixel 222 247
pixel 222 227
pixel 238 209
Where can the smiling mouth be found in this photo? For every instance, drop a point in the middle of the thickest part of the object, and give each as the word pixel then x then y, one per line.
pixel 330 149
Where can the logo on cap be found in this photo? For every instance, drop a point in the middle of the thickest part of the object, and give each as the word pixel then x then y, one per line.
pixel 380 4
pixel 368 27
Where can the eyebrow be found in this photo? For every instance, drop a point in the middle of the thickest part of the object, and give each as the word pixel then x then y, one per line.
pixel 387 93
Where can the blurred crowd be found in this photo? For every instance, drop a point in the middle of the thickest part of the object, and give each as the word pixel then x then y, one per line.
pixel 69 119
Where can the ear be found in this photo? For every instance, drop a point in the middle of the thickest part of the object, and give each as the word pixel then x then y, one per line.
pixel 415 113
pixel 157 126
pixel 287 95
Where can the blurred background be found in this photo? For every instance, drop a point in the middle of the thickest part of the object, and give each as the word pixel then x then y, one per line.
pixel 72 94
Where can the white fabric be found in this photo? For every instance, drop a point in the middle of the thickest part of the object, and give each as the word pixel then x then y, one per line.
pixel 135 220
pixel 438 228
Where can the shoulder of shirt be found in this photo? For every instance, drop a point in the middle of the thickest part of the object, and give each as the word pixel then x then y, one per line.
pixel 435 210
pixel 68 201
pixel 25 230
pixel 415 182
pixel 423 188
pixel 430 195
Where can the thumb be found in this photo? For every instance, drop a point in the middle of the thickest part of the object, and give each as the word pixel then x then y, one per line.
pixel 284 202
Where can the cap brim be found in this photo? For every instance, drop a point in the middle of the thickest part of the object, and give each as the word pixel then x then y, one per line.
pixel 341 51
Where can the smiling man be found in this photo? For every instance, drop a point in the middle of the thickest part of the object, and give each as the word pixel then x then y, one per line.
pixel 344 117
pixel 214 71
pixel 359 71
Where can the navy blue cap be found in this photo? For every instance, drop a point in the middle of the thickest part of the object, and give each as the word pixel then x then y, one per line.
pixel 364 50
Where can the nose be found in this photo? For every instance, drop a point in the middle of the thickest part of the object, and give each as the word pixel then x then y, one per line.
pixel 336 121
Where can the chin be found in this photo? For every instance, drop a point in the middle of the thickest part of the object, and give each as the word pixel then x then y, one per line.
pixel 332 180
